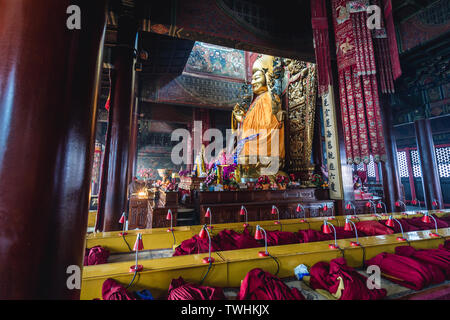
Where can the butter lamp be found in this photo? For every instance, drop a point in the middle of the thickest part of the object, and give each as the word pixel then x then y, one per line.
pixel 244 212
pixel 123 220
pixel 203 234
pixel 274 212
pixel 348 227
pixel 326 229
pixel 138 245
pixel 259 236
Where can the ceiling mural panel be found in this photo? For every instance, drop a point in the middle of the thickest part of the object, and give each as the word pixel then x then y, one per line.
pixel 425 25
pixel 217 61
pixel 194 91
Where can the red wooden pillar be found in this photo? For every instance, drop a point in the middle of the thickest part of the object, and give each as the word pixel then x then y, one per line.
pixel 132 159
pixel 48 81
pixel 430 174
pixel 115 179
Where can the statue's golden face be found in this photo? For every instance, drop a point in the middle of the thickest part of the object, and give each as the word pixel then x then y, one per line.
pixel 259 82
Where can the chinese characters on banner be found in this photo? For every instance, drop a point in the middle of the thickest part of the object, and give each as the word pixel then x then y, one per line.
pixel 332 145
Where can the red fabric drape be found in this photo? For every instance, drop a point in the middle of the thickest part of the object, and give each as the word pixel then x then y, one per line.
pixel 393 48
pixel 406 271
pixel 112 290
pixel 438 257
pixel 321 44
pixel 261 285
pixel 95 255
pixel 181 290
pixel 327 276
pixel 359 99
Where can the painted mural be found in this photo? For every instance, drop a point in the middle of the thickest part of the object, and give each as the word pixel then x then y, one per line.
pixel 193 90
pixel 213 77
pixel 425 26
pixel 217 61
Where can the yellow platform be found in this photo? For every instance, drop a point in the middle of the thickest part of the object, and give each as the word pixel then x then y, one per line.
pixel 230 267
pixel 159 238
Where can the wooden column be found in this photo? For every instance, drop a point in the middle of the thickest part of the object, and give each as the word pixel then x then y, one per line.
pixel 48 81
pixel 104 166
pixel 430 174
pixel 389 168
pixel 115 182
pixel 132 159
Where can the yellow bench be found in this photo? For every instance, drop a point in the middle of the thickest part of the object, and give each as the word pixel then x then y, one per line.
pixel 230 267
pixel 159 238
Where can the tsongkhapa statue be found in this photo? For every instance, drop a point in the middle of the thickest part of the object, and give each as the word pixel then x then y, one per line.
pixel 260 127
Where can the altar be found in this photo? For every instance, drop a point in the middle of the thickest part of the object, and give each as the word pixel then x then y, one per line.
pixel 225 207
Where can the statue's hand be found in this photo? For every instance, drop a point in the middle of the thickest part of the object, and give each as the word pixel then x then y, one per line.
pixel 280 117
pixel 238 113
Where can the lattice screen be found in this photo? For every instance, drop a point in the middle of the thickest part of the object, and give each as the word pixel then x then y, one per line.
pixel 402 164
pixel 415 161
pixel 443 161
pixel 370 168
pixel 360 167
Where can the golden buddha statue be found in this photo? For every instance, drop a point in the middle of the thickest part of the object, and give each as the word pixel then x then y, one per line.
pixel 261 126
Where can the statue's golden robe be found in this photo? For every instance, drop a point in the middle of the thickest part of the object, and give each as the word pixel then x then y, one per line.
pixel 259 119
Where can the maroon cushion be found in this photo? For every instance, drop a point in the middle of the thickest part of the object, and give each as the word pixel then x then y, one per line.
pixel 181 290
pixel 373 228
pixel 261 285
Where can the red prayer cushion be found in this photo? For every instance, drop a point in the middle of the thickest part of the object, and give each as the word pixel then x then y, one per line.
pixel 373 228
pixel 112 290
pixel 182 290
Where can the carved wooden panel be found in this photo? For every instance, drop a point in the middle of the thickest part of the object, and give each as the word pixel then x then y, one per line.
pixel 302 95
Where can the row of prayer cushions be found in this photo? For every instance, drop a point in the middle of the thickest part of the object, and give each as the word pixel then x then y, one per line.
pixel 416 224
pixel 342 281
pixel 261 285
pixel 95 255
pixel 439 257
pixel 232 240
pixel 225 240
pixel 182 290
pixel 406 271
